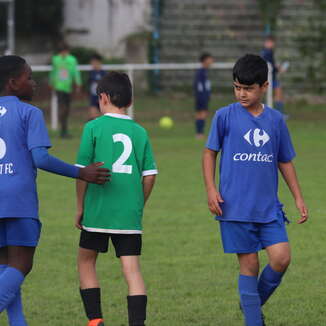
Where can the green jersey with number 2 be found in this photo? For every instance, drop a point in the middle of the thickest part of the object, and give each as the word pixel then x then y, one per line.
pixel 124 147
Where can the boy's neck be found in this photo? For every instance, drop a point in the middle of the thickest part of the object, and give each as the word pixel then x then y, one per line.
pixel 256 109
pixel 114 110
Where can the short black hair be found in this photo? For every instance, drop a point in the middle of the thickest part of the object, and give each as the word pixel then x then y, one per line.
pixel 205 56
pixel 250 69
pixel 97 57
pixel 270 37
pixel 118 86
pixel 11 66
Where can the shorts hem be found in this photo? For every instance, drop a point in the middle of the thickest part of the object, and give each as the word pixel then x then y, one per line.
pixel 22 244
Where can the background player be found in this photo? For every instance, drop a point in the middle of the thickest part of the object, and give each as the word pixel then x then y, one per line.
pixel 268 55
pixel 114 211
pixel 202 91
pixel 63 76
pixel 255 143
pixel 24 144
pixel 95 75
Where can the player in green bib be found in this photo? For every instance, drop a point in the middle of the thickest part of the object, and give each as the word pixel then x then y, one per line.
pixel 114 211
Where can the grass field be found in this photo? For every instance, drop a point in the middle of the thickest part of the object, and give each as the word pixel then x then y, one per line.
pixel 190 281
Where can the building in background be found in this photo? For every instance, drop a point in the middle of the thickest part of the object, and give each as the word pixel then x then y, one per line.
pixel 106 25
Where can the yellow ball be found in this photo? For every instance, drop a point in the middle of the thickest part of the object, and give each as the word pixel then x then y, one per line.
pixel 166 123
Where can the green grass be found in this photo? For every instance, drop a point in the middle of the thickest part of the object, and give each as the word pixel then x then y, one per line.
pixel 190 281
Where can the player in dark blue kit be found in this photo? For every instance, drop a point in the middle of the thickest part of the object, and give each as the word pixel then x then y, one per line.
pixel 95 75
pixel 255 143
pixel 268 54
pixel 202 91
pixel 24 144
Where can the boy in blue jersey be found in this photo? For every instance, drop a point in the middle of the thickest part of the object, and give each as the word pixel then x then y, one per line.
pixel 24 144
pixel 255 143
pixel 202 91
pixel 95 75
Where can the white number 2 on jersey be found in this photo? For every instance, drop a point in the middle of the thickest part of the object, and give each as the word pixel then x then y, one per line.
pixel 119 166
pixel 3 148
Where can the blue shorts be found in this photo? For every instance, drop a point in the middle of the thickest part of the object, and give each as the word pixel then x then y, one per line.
pixel 247 237
pixel 19 232
pixel 201 104
pixel 93 101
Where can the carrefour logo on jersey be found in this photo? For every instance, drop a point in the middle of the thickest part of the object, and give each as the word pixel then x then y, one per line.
pixel 3 111
pixel 257 138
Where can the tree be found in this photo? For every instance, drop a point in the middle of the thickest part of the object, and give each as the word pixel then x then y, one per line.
pixel 270 9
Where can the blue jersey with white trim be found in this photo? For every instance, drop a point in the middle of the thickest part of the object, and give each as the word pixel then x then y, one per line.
pixel 251 148
pixel 22 128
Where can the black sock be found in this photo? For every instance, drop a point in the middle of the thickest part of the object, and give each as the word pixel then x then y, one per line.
pixel 92 302
pixel 137 309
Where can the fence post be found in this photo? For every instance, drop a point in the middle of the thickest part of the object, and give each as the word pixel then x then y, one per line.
pixel 131 112
pixel 270 86
pixel 54 111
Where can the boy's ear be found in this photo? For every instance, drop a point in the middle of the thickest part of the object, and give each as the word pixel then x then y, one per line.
pixel 265 86
pixel 12 84
pixel 105 98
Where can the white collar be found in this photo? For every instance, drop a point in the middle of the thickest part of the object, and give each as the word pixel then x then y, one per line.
pixel 117 115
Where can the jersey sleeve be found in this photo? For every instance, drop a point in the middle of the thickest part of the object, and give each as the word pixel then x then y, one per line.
pixel 286 151
pixel 149 164
pixel 86 149
pixel 37 133
pixel 216 134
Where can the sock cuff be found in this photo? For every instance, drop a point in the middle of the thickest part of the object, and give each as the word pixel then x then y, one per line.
pixel 272 274
pixel 16 272
pixel 248 284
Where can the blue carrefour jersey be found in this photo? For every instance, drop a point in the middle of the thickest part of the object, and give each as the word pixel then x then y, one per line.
pixel 22 128
pixel 251 148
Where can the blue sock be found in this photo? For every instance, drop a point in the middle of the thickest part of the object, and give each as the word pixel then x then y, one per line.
pixel 279 105
pixel 268 282
pixel 15 309
pixel 250 300
pixel 10 281
pixel 200 126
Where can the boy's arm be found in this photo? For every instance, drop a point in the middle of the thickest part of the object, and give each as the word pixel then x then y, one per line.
pixel 289 175
pixel 81 187
pixel 148 184
pixel 209 168
pixel 92 173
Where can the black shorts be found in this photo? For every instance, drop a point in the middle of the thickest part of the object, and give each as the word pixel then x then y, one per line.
pixel 124 244
pixel 64 98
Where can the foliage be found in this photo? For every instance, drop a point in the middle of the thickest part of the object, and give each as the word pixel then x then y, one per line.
pixel 269 11
pixel 311 42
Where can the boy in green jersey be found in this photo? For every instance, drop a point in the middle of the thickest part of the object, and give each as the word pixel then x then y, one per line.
pixel 114 210
pixel 63 76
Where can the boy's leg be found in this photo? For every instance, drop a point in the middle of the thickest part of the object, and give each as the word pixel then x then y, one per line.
pixel 137 298
pixel 20 262
pixel 90 291
pixel 128 249
pixel 201 116
pixel 279 259
pixel 248 289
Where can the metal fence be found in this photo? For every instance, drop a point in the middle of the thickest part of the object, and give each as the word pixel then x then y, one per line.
pixel 131 68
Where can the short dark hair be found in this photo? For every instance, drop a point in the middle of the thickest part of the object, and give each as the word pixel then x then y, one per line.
pixel 270 38
pixel 250 69
pixel 205 56
pixel 97 57
pixel 11 66
pixel 118 86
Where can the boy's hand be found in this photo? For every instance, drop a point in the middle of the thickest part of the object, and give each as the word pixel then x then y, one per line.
pixel 94 174
pixel 214 200
pixel 78 220
pixel 303 211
